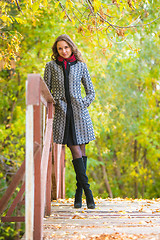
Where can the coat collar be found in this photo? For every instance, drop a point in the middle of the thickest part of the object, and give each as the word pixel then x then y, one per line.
pixel 61 63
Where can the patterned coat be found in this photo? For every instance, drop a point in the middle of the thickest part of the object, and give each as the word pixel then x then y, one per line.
pixel 55 77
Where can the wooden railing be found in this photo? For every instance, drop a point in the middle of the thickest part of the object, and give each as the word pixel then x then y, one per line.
pixel 43 167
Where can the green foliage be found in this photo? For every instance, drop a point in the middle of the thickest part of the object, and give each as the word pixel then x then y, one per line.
pixel 7 231
pixel 127 123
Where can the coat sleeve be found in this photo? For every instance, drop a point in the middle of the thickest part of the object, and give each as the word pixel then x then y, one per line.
pixel 88 86
pixel 47 76
pixel 48 79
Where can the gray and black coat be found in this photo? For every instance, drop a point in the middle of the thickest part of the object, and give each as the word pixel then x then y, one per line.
pixel 72 124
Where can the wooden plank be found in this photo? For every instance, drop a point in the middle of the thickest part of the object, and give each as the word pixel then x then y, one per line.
pixel 33 92
pixel 16 200
pixel 48 185
pixel 44 160
pixel 38 218
pixel 12 187
pixel 54 182
pixel 33 89
pixel 58 169
pixel 12 219
pixel 111 216
pixel 43 100
pixel 29 175
pixel 63 172
pixel 49 170
pixel 45 91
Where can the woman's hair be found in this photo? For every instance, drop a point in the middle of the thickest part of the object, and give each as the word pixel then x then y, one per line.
pixel 67 39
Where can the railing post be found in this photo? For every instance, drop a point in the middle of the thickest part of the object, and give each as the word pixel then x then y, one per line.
pixel 38 218
pixel 34 182
pixel 29 174
pixel 49 170
pixel 37 177
pixel 63 172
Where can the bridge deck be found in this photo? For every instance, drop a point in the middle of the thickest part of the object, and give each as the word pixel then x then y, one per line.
pixel 112 219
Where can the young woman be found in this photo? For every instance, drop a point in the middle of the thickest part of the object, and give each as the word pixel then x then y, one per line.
pixel 72 124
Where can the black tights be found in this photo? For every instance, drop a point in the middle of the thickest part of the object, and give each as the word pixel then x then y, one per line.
pixel 77 151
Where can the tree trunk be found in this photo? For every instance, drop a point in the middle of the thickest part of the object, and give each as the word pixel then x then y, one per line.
pixel 144 166
pixel 117 171
pixel 136 170
pixel 105 177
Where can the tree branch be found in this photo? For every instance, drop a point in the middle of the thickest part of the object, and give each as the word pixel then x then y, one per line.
pixel 90 6
pixel 63 8
pixel 129 26
pixel 18 6
pixel 113 26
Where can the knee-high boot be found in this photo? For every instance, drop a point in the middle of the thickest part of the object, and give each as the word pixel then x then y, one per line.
pixel 79 190
pixel 83 180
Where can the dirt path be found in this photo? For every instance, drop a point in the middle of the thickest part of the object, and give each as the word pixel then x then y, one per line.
pixel 112 219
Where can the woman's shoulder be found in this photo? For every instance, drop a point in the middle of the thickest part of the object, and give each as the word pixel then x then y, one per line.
pixel 52 62
pixel 82 64
pixel 52 65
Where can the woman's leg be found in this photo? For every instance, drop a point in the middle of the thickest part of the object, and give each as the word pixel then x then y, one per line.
pixel 83 149
pixel 82 146
pixel 79 191
pixel 76 151
pixel 81 174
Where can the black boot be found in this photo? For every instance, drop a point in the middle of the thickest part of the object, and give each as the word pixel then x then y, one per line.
pixel 79 190
pixel 83 180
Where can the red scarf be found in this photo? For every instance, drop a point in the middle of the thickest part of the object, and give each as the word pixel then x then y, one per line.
pixel 72 58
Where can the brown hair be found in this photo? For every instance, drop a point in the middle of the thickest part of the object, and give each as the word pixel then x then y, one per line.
pixel 67 39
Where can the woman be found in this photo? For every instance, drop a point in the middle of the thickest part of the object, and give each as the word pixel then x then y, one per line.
pixel 72 124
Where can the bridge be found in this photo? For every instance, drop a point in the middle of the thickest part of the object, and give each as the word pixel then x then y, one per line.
pixel 42 172
pixel 41 178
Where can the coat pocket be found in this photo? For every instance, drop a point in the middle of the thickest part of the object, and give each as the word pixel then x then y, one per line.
pixel 78 103
pixel 61 104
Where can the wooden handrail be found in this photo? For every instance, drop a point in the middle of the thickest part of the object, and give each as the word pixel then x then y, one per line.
pixel 38 163
pixel 37 94
pixel 36 175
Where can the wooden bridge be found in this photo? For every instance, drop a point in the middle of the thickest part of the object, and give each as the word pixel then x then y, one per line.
pixel 43 167
pixel 44 172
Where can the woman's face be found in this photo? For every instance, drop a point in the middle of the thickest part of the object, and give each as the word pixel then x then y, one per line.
pixel 64 49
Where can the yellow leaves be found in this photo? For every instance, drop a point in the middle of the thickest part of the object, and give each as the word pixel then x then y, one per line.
pixel 6 19
pixel 19 20
pixel 11 42
pixel 45 3
pixel 35 6
pixel 62 15
pixel 96 5
pixel 76 216
pixel 122 116
pixel 69 4
pixel 122 212
pixel 73 22
pixel 143 222
pixel 56 5
pixel 1 55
